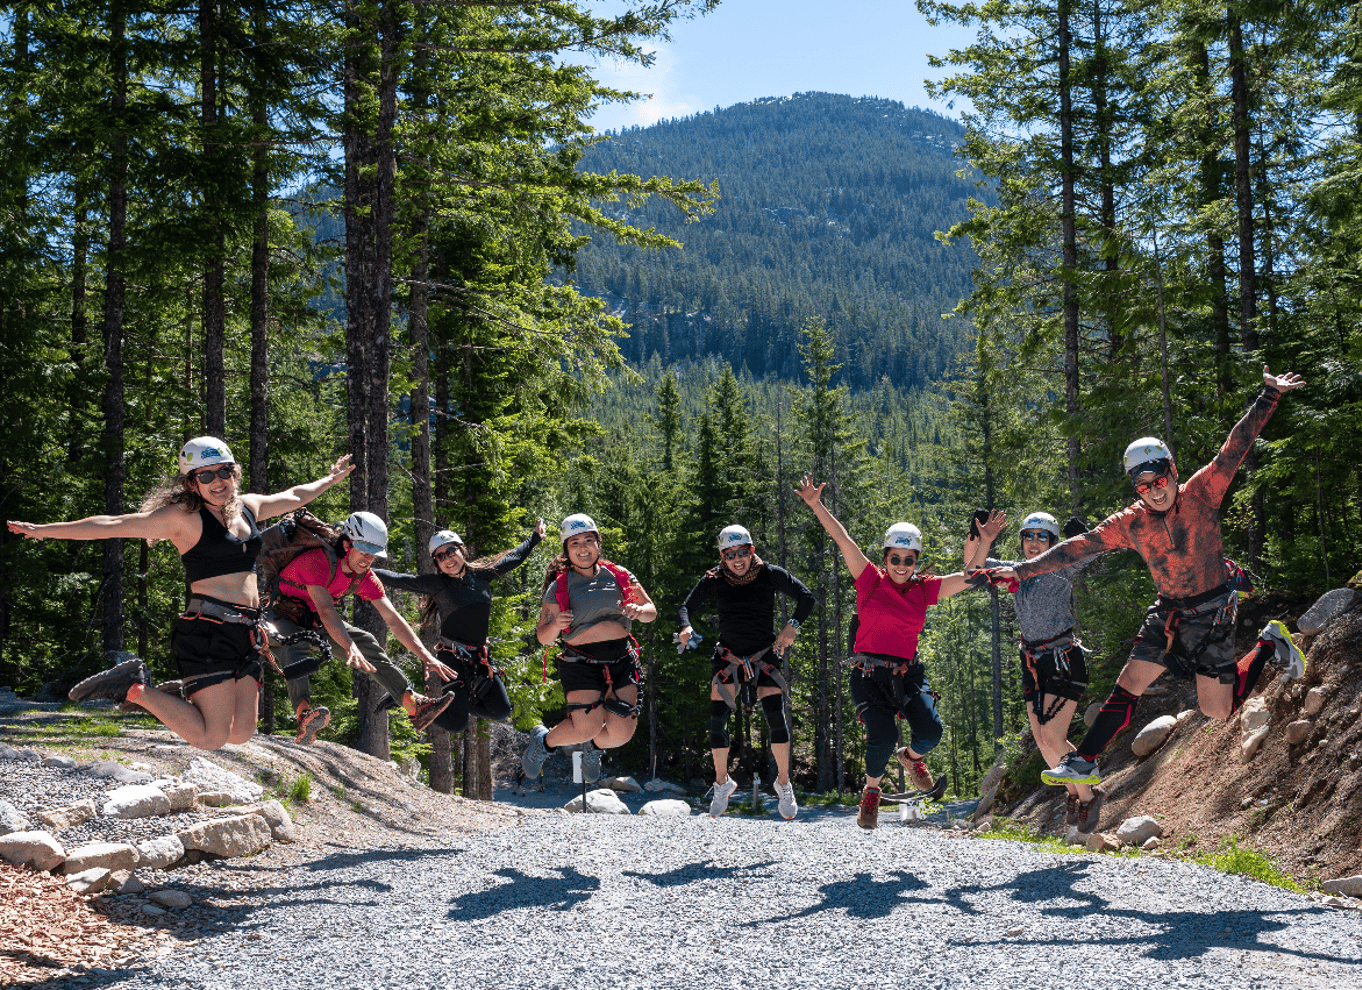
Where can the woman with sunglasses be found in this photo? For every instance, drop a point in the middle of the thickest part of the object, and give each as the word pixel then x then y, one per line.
pixel 218 641
pixel 887 679
pixel 591 602
pixel 1054 671
pixel 460 594
pixel 743 589
pixel 1189 630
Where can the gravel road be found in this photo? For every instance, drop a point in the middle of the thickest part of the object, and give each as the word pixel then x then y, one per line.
pixel 560 901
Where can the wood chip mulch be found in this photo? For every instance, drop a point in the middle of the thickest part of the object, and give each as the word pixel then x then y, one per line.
pixel 47 930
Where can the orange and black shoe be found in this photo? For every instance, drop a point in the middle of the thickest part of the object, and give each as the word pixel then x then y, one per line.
pixel 868 816
pixel 310 722
pixel 427 710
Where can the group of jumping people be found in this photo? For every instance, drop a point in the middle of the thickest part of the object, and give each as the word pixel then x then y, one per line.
pixel 226 633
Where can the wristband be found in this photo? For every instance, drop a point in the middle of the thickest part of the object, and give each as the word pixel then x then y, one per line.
pixel 794 623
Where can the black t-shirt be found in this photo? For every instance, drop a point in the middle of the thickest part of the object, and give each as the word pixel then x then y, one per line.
pixel 747 612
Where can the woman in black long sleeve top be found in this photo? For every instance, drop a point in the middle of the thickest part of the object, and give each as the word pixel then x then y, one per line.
pixel 461 594
pixel 743 589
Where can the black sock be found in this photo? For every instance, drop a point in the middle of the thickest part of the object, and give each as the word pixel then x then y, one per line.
pixel 1115 715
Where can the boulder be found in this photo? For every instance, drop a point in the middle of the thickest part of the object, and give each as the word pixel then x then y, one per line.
pixel 38 850
pixel 68 815
pixel 1097 842
pixel 984 824
pixel 1185 714
pixel 128 883
pixel 1139 830
pixel 176 899
pixel 136 801
pixel 91 881
pixel 119 773
pixel 663 785
pixel 218 799
pixel 240 835
pixel 1254 714
pixel 208 776
pixel 1315 699
pixel 1152 736
pixel 161 852
pixel 152 910
pixel 1299 731
pixel 666 808
pixel 1248 746
pixel 8 752
pixel 109 855
pixel 1074 837
pixel 599 802
pixel 1151 843
pixel 1344 886
pixel 1327 607
pixel 59 762
pixel 276 816
pixel 625 785
pixel 12 819
pixel 988 789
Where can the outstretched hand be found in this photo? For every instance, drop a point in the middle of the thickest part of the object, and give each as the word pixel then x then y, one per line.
pixel 341 469
pixel 995 524
pixel 811 494
pixel 539 528
pixel 25 529
pixel 1282 383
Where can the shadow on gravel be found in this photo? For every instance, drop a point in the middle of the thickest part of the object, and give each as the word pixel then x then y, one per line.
pixel 702 872
pixel 521 890
pixel 861 897
pixel 351 858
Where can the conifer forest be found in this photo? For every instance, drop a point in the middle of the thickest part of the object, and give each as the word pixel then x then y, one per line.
pixel 390 229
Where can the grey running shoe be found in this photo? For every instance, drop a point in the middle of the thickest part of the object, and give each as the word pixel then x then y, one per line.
pixel 428 709
pixel 113 683
pixel 1071 810
pixel 1090 813
pixel 310 722
pixel 1285 652
pixel 1073 769
pixel 722 792
pixel 591 763
pixel 868 815
pixel 536 753
pixel 787 805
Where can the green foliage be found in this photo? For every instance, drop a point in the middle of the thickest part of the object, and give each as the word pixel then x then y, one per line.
pixel 1233 858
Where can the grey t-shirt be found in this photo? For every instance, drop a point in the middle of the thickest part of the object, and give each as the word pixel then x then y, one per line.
pixel 592 600
pixel 1044 603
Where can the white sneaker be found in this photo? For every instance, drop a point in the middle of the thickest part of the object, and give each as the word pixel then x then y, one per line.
pixel 788 807
pixel 722 792
pixel 1285 652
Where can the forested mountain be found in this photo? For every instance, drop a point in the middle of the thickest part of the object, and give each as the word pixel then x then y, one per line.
pixel 828 206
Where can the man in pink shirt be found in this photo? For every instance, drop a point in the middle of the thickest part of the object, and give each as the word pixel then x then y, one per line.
pixel 309 588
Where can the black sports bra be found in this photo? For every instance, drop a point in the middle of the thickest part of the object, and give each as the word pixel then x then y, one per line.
pixel 218 552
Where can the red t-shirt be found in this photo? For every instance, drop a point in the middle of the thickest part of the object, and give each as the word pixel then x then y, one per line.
pixel 892 615
pixel 313 568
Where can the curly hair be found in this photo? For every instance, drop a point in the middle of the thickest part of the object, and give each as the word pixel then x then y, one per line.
pixel 178 489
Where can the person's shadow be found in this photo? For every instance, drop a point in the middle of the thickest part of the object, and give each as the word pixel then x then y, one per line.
pixel 521 890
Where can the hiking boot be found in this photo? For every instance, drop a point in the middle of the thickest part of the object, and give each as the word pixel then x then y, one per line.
pixel 787 806
pixel 917 771
pixel 1285 653
pixel 868 816
pixel 722 792
pixel 1073 769
pixel 172 688
pixel 1071 810
pixel 1090 813
pixel 112 684
pixel 310 722
pixel 536 753
pixel 591 763
pixel 427 709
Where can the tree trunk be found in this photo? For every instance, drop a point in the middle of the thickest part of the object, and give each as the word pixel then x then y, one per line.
pixel 1211 192
pixel 214 272
pixel 1070 248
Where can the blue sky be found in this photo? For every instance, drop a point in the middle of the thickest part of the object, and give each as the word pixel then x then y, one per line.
pixel 747 49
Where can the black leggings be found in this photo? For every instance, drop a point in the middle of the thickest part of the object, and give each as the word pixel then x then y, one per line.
pixel 877 707
pixel 475 693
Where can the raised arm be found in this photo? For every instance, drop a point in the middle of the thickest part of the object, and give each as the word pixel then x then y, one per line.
pixel 983 533
pixel 813 497
pixel 520 554
pixel 268 506
pixel 166 523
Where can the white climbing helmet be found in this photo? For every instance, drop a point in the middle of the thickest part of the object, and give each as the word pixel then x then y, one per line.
pixel 204 452
pixel 734 536
pixel 577 524
pixel 367 532
pixel 442 539
pixel 1147 454
pixel 1042 521
pixel 903 536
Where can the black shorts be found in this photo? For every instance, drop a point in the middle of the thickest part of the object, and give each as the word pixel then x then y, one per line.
pixel 1203 645
pixel 208 653
pixel 1057 674
pixel 764 678
pixel 613 664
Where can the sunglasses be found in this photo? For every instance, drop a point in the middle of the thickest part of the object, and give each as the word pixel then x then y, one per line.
pixel 206 477
pixel 442 555
pixel 1159 483
pixel 905 561
pixel 737 553
pixel 1039 536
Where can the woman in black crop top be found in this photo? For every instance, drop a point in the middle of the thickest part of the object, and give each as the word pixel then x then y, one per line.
pixel 461 595
pixel 216 643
